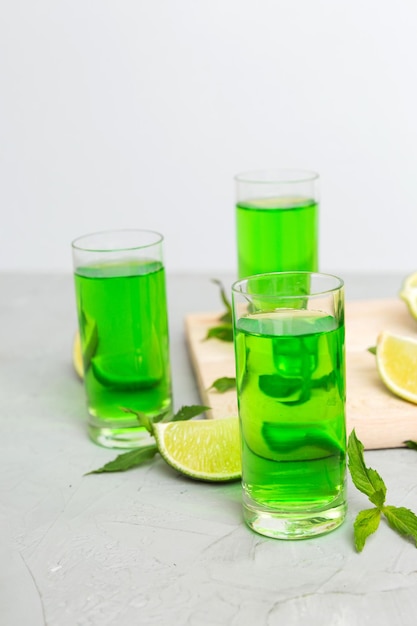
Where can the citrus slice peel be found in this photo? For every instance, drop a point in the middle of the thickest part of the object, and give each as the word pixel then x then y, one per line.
pixel 396 357
pixel 207 449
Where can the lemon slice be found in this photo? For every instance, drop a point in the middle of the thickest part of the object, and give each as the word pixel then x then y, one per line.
pixel 408 293
pixel 206 450
pixel 396 358
pixel 77 357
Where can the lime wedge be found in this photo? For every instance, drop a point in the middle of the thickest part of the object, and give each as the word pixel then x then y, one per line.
pixel 207 450
pixel 396 358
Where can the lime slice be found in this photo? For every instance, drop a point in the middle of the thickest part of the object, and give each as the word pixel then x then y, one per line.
pixel 396 358
pixel 408 293
pixel 206 450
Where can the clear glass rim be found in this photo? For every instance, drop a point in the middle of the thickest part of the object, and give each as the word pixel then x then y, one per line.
pixel 237 286
pixel 277 176
pixel 76 244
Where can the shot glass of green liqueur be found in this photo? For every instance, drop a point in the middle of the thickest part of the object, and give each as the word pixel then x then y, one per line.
pixel 290 375
pixel 277 221
pixel 123 325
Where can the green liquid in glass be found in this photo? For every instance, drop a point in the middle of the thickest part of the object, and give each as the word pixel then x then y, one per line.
pixel 277 235
pixel 291 391
pixel 124 339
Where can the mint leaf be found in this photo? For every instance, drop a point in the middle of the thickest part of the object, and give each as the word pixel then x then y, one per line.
pixel 372 349
pixel 126 461
pixel 224 384
pixel 187 412
pixel 227 316
pixel 223 332
pixel 365 479
pixel 411 444
pixel 366 523
pixel 402 520
pixel 143 419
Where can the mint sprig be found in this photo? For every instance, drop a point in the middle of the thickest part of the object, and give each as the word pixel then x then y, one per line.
pixel 227 315
pixel 134 458
pixel 224 331
pixel 369 482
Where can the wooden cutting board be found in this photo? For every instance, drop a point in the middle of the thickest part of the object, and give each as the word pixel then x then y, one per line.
pixel 380 419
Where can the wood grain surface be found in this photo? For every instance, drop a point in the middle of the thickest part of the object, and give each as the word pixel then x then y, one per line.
pixel 381 419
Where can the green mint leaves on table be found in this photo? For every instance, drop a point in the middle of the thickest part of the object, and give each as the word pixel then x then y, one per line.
pixel 134 458
pixel 411 444
pixel 224 331
pixel 224 384
pixel 127 460
pixel 369 482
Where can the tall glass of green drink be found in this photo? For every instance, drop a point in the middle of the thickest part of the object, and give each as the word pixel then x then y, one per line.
pixel 290 374
pixel 277 221
pixel 123 325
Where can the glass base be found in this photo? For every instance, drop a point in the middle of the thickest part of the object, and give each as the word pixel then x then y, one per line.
pixel 123 432
pixel 295 524
pixel 123 438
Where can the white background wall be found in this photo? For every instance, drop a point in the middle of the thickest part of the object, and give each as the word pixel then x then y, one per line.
pixel 138 113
